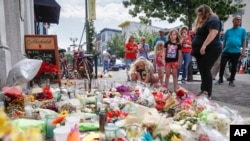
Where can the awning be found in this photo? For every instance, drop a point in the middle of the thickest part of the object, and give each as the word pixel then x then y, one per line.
pixel 47 11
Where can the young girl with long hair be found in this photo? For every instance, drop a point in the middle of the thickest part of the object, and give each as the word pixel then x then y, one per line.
pixel 159 63
pixel 172 57
pixel 143 70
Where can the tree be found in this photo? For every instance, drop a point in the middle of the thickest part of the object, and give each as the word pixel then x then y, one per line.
pixel 149 35
pixel 171 10
pixel 116 45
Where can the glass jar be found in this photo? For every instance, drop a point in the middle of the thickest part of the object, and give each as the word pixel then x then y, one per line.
pixel 49 127
pixel 111 132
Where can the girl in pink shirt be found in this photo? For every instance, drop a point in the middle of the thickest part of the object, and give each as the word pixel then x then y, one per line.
pixel 159 63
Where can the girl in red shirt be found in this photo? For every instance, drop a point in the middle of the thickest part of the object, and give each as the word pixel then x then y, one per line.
pixel 186 48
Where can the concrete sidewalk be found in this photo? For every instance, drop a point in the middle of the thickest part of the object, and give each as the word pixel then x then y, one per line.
pixel 237 97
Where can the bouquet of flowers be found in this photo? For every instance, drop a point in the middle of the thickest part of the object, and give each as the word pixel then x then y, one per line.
pixel 47 71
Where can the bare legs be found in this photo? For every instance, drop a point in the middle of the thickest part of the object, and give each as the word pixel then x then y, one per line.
pixel 174 75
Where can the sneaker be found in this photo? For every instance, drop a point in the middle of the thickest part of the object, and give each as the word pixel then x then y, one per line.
pixel 202 93
pixel 183 81
pixel 219 82
pixel 231 83
pixel 209 97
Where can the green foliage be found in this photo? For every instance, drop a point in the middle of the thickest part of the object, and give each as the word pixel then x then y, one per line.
pixel 116 44
pixel 171 10
pixel 149 35
pixel 90 35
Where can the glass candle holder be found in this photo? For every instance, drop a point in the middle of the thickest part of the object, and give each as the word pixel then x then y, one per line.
pixel 134 132
pixel 49 127
pixel 86 85
pixel 111 132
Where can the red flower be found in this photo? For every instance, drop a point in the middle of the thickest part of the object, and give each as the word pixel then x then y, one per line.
pixel 47 70
pixel 180 94
pixel 47 92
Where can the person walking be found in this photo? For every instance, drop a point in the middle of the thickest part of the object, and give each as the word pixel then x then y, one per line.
pixel 216 67
pixel 131 49
pixel 206 46
pixel 159 63
pixel 143 48
pixel 186 48
pixel 234 39
pixel 172 57
pixel 106 58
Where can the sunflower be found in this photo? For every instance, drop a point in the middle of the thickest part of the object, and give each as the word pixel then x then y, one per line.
pixel 64 112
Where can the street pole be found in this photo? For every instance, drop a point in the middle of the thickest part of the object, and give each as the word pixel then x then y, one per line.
pixel 87 26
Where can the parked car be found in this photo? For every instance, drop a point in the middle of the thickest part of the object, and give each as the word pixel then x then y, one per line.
pixel 119 64
pixel 194 62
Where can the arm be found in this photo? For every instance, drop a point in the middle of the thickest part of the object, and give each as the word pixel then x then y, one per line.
pixel 243 51
pixel 212 34
pixel 163 56
pixel 128 51
pixel 179 57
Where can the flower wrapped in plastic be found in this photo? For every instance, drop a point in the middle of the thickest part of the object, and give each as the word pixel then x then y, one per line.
pixel 216 120
pixel 206 133
pixel 10 132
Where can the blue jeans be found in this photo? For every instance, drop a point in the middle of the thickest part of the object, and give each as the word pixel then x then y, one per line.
pixel 105 65
pixel 186 59
pixel 128 63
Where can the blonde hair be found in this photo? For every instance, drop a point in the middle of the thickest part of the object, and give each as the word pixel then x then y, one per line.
pixel 206 12
pixel 159 47
pixel 148 65
pixel 129 38
pixel 178 37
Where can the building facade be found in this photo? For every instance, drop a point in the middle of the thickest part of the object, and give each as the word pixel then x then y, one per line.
pixel 17 19
pixel 102 38
pixel 129 27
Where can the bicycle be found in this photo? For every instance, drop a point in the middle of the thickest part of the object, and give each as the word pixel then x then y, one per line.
pixel 84 66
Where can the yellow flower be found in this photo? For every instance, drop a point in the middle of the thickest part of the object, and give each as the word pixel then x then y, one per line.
pixel 31 98
pixel 175 138
pixel 8 130
pixel 64 112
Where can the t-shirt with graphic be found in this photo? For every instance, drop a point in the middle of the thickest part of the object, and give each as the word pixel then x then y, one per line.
pixel 171 54
pixel 142 73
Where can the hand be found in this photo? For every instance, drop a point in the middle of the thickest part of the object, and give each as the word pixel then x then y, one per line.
pixel 202 50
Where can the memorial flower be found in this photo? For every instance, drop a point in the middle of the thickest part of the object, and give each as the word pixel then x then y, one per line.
pixel 47 71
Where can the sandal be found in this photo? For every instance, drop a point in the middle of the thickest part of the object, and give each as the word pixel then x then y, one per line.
pixel 202 93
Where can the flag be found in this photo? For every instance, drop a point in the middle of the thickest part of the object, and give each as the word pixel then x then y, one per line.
pixel 92 9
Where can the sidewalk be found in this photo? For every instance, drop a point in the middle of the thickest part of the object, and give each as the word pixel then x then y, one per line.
pixel 237 97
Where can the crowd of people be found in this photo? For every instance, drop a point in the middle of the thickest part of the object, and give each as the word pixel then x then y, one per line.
pixel 207 42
